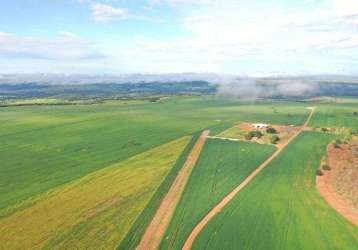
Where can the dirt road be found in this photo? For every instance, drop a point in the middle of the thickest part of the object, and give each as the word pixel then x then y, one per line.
pixel 200 226
pixel 156 228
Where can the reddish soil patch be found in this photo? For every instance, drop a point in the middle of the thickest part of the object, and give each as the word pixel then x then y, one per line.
pixel 156 228
pixel 338 186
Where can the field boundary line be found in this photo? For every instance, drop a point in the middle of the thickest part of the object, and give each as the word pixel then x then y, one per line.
pixel 160 221
pixel 200 226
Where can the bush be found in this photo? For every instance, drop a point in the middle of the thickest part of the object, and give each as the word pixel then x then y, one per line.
pixel 271 130
pixel 326 167
pixel 354 132
pixel 338 141
pixel 319 172
pixel 275 139
pixel 324 129
pixel 336 145
pixel 248 136
pixel 252 134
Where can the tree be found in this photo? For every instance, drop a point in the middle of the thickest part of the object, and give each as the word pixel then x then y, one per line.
pixel 319 172
pixel 253 134
pixel 275 139
pixel 326 167
pixel 271 130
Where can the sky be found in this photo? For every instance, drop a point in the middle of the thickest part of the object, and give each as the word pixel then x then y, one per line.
pixel 239 37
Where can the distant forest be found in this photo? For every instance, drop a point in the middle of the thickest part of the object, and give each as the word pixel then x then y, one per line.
pixel 40 90
pixel 118 90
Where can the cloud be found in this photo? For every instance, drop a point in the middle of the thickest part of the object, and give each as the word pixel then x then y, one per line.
pixel 104 13
pixel 66 46
pixel 178 2
pixel 258 88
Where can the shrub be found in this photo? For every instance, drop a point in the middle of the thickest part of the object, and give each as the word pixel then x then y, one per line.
pixel 319 172
pixel 354 132
pixel 248 136
pixel 326 167
pixel 338 141
pixel 336 145
pixel 255 133
pixel 324 129
pixel 355 113
pixel 271 130
pixel 275 139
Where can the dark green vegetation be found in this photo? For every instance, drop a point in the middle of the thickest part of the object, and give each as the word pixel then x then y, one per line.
pixel 281 208
pixel 253 134
pixel 222 165
pixel 271 130
pixel 137 230
pixel 275 139
pixel 63 143
pixel 31 90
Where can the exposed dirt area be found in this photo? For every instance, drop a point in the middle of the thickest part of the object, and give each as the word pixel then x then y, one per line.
pixel 156 228
pixel 212 213
pixel 339 186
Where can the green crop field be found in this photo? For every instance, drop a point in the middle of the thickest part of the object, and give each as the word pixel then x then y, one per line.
pixel 221 167
pixel 94 211
pixel 46 150
pixel 281 208
pixel 336 115
pixel 63 143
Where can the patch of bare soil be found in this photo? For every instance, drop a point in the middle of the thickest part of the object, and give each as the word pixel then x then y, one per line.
pixel 339 186
pixel 156 228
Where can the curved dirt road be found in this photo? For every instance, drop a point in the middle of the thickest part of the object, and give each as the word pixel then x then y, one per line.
pixel 156 228
pixel 200 226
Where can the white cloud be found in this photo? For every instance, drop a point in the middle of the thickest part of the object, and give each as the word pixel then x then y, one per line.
pixel 66 46
pixel 104 13
pixel 177 2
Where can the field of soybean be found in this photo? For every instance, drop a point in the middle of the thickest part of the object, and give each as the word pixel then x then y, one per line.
pixel 281 208
pixel 343 115
pixel 81 162
pixel 221 167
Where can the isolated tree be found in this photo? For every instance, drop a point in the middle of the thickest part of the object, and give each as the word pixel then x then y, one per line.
pixel 255 133
pixel 319 172
pixel 275 139
pixel 271 130
pixel 326 167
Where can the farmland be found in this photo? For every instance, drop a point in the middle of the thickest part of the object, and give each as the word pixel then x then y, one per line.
pixel 104 202
pixel 63 143
pixel 282 207
pixel 221 166
pixel 336 115
pixel 91 174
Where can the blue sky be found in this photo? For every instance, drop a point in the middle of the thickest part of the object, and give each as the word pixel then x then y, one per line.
pixel 174 36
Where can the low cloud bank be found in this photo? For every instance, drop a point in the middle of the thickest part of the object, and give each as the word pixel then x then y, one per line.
pixel 254 88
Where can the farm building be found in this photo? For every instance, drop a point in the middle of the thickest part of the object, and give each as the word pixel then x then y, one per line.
pixel 260 125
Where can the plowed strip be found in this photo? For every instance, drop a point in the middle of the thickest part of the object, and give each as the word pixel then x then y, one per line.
pixel 200 226
pixel 156 229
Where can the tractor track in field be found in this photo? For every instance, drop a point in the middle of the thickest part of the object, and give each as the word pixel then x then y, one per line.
pixel 209 216
pixel 159 223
